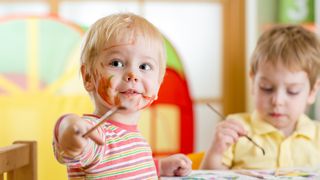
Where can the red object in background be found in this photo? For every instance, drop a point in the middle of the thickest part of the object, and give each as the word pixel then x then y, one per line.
pixel 174 90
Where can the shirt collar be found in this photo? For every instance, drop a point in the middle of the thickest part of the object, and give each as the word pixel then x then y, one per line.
pixel 259 125
pixel 305 126
pixel 132 128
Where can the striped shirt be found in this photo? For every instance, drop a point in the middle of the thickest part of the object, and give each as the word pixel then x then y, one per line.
pixel 125 155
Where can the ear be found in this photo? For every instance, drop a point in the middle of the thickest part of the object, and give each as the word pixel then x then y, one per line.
pixel 313 93
pixel 87 79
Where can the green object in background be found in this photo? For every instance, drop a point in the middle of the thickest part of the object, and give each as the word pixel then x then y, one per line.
pixel 313 110
pixel 296 11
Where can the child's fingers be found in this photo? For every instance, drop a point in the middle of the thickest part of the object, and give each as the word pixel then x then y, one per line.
pixel 234 125
pixel 94 136
pixel 228 139
pixel 71 142
pixel 224 139
pixel 182 172
pixel 184 166
pixel 183 169
pixel 237 126
pixel 187 162
pixel 227 135
pixel 229 132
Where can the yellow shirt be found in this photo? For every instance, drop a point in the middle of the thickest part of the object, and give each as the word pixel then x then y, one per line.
pixel 300 149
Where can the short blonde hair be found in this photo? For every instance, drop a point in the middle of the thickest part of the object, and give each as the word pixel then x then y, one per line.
pixel 293 46
pixel 116 27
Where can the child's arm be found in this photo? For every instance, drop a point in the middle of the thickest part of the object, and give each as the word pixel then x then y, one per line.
pixel 175 165
pixel 69 135
pixel 226 133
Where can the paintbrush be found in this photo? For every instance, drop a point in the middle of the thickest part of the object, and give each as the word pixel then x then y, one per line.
pixel 249 138
pixel 102 119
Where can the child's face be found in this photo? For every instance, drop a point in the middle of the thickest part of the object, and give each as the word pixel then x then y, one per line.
pixel 127 74
pixel 281 95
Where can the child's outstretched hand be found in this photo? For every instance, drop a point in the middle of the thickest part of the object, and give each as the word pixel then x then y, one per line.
pixel 175 165
pixel 71 138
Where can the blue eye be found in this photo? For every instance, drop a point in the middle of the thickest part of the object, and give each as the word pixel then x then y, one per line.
pixel 145 66
pixel 116 63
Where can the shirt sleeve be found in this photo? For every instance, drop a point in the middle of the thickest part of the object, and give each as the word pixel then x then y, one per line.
pixel 229 154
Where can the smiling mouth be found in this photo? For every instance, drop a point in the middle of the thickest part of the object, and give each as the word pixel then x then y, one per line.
pixel 130 92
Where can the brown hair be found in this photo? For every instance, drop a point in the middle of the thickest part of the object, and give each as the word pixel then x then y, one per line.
pixel 293 46
pixel 116 27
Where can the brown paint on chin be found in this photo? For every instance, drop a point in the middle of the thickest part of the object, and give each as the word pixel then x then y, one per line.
pixel 150 99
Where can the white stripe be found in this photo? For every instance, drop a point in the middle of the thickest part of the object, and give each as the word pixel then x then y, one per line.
pixel 123 163
pixel 122 132
pixel 139 144
pixel 139 176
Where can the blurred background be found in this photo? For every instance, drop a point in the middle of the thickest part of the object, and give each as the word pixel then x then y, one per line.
pixel 208 43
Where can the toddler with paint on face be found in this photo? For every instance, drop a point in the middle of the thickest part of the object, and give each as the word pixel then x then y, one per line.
pixel 122 65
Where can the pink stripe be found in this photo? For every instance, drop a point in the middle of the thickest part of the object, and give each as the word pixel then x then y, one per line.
pixel 88 154
pixel 132 128
pixel 126 142
pixel 125 159
pixel 129 148
pixel 139 172
pixel 128 164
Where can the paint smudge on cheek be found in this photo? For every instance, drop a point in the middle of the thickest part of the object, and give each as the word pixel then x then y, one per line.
pixel 104 89
pixel 117 101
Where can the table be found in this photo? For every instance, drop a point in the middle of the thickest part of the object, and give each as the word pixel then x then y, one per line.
pixel 283 174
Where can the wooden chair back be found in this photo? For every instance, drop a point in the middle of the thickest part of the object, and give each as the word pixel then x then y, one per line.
pixel 19 161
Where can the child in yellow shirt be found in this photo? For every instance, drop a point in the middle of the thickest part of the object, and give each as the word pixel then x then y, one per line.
pixel 284 74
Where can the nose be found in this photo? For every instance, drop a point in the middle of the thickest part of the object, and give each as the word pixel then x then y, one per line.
pixel 131 77
pixel 278 99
